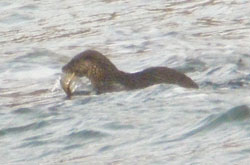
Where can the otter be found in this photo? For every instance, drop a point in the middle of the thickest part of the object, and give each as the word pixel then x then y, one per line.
pixel 106 77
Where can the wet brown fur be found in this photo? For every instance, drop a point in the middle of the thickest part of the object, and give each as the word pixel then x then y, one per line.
pixel 105 77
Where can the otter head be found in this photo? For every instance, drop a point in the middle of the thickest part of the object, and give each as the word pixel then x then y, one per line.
pixel 90 64
pixel 79 65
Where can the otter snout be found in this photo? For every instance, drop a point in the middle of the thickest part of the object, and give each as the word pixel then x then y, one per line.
pixel 66 69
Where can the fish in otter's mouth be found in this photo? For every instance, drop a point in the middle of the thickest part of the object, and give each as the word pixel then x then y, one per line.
pixel 67 80
pixel 105 77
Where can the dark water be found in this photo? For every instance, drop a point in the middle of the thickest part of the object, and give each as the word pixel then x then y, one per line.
pixel 162 124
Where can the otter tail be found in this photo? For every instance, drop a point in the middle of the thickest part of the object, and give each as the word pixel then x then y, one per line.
pixel 157 75
pixel 172 76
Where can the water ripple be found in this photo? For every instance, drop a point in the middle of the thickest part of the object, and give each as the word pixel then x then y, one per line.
pixel 25 128
pixel 212 122
pixel 86 134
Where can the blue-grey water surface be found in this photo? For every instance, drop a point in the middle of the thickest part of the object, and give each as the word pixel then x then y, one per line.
pixel 208 40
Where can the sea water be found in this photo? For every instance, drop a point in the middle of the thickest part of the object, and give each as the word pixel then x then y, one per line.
pixel 162 124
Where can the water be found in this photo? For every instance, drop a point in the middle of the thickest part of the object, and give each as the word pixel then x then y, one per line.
pixel 162 124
